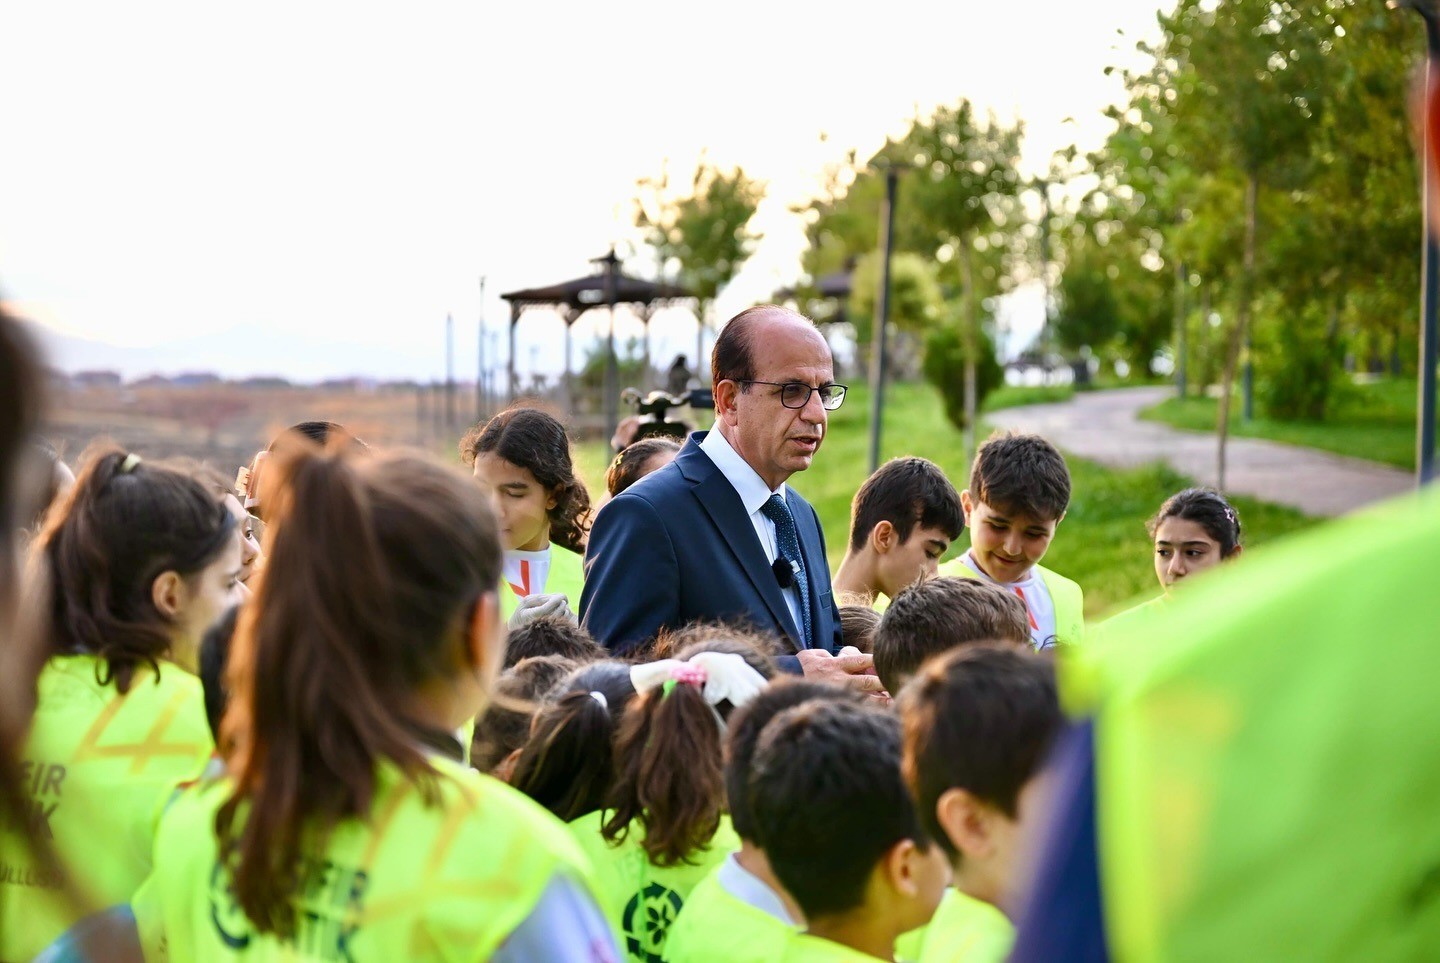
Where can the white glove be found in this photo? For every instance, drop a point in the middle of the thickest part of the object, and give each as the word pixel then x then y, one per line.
pixel 533 607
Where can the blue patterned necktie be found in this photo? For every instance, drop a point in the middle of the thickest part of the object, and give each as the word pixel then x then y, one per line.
pixel 788 542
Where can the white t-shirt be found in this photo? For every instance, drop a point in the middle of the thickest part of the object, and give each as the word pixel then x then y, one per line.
pixel 1032 591
pixel 526 572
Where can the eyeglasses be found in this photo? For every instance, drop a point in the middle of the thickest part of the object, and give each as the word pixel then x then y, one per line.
pixel 796 394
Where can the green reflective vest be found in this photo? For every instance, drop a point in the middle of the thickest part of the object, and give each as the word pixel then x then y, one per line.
pixel 715 927
pixel 448 880
pixel 95 772
pixel 1065 595
pixel 1266 761
pixel 566 577
pixel 963 930
pixel 642 899
pixel 804 948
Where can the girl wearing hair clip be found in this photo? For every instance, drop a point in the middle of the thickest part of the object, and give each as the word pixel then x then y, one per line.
pixel 1195 530
pixel 140 560
pixel 663 826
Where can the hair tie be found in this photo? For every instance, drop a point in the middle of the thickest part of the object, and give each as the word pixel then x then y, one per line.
pixel 1230 514
pixel 128 465
pixel 600 698
pixel 685 673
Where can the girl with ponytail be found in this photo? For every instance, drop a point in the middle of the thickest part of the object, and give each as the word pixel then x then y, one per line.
pixel 348 828
pixel 137 561
pixel 663 827
pixel 521 459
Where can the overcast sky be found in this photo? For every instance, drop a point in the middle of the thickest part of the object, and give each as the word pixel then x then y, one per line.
pixel 320 174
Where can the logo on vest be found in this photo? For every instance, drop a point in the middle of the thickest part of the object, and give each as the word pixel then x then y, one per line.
pixel 328 911
pixel 647 920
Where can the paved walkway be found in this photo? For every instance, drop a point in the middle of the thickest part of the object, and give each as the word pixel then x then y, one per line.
pixel 1104 426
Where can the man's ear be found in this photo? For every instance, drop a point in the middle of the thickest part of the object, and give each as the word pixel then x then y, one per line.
pixel 168 593
pixel 969 822
pixel 901 868
pixel 725 396
pixel 883 537
pixel 967 503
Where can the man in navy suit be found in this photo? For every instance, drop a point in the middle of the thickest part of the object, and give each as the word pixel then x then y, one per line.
pixel 717 534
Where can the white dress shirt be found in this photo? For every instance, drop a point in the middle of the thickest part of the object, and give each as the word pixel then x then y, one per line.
pixel 754 493
pixel 745 886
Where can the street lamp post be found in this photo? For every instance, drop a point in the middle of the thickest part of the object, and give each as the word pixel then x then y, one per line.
pixel 882 320
pixel 1430 294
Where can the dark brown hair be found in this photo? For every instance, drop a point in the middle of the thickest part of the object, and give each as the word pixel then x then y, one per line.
pixel 568 763
pixel 829 801
pixel 744 732
pixel 629 466
pixel 376 566
pixel 758 648
pixel 1207 508
pixel 937 614
pixel 980 719
pixel 669 763
pixel 1015 473
pixel 124 523
pixel 504 726
pixel 907 493
pixel 536 441
pixel 857 626
pixel 551 635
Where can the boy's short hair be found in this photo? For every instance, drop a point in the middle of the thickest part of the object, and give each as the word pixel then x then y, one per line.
pixel 980 719
pixel 1015 473
pixel 505 724
pixel 551 635
pixel 744 731
pixel 857 626
pixel 937 614
pixel 829 801
pixel 906 492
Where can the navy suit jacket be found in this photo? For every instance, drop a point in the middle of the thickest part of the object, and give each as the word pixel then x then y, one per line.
pixel 678 546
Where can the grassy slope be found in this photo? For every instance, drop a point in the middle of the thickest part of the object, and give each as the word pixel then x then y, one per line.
pixel 1101 544
pixel 1375 421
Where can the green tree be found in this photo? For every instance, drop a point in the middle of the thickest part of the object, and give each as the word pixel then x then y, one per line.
pixel 702 237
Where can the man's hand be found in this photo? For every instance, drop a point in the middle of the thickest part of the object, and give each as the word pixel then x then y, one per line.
pixel 539 606
pixel 850 668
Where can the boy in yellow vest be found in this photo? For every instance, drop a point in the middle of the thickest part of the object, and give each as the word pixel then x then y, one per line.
pixel 842 833
pixel 940 614
pixel 902 522
pixel 978 722
pixel 1018 493
pixel 740 913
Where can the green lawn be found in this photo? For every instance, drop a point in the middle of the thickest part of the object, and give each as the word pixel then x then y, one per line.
pixel 1374 421
pixel 1101 544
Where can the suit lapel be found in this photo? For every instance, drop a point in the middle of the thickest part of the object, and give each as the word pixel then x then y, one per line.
pixel 720 501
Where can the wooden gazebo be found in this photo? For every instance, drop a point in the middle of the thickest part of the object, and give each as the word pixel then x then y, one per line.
pixel 608 287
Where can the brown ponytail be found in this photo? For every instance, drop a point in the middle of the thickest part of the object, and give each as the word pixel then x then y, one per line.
pixel 375 568
pixel 668 757
pixel 124 523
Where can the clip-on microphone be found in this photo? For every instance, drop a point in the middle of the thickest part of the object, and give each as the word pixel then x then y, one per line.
pixel 784 571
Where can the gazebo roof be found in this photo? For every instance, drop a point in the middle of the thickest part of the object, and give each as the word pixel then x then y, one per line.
pixel 581 294
pixel 836 285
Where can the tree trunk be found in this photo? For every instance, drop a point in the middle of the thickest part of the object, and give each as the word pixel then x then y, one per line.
pixel 971 319
pixel 1181 348
pixel 1242 323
